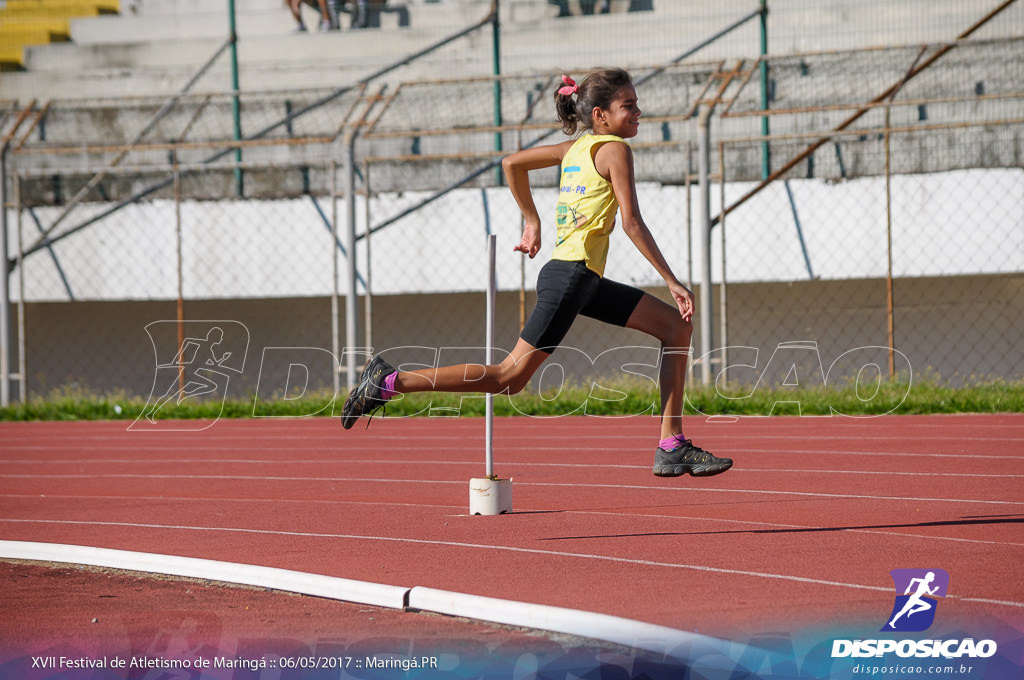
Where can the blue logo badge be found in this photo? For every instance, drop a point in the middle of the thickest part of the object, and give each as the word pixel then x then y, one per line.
pixel 916 590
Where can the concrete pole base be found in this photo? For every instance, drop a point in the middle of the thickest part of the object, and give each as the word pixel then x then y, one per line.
pixel 490 496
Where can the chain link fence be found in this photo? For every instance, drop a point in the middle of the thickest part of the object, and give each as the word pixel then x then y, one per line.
pixel 928 264
pixel 892 241
pixel 896 245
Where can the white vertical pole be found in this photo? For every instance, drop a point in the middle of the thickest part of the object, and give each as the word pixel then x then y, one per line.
pixel 490 496
pixel 489 350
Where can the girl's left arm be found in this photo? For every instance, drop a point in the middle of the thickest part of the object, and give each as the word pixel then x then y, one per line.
pixel 517 167
pixel 615 161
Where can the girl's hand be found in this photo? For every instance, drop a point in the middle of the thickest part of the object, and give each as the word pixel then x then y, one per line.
pixel 684 299
pixel 530 244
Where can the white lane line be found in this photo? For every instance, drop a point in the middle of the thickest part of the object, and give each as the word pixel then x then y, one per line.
pixel 265 478
pixel 777 428
pixel 888 473
pixel 458 508
pixel 220 499
pixel 811 494
pixel 435 463
pixel 859 454
pixel 334 451
pixel 262 440
pixel 800 528
pixel 759 526
pixel 756 455
pixel 514 549
pixel 241 478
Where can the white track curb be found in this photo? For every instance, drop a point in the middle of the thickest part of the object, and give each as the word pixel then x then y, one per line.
pixel 628 632
pixel 245 574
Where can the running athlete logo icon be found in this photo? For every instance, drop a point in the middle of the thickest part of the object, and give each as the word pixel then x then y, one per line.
pixel 197 366
pixel 914 610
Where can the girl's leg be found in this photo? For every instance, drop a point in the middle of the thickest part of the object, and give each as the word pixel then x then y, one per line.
pixel 294 5
pixel 562 289
pixel 661 320
pixel 380 381
pixel 325 16
pixel 509 377
pixel 678 457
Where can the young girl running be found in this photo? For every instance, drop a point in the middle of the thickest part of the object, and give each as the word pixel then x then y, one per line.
pixel 597 181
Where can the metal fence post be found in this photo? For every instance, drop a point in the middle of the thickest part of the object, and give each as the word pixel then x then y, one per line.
pixel 723 286
pixel 351 294
pixel 496 57
pixel 368 271
pixel 5 290
pixel 335 340
pixel 20 264
pixel 236 110
pixel 766 153
pixel 890 314
pixel 703 179
pixel 180 266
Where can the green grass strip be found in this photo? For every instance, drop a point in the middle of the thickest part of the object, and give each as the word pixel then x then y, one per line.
pixel 926 396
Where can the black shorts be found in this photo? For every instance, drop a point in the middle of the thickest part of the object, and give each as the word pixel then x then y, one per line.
pixel 568 289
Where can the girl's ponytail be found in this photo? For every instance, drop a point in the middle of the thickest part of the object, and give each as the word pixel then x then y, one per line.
pixel 565 105
pixel 575 104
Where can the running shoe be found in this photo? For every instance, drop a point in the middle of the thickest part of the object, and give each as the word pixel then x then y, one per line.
pixel 688 459
pixel 366 397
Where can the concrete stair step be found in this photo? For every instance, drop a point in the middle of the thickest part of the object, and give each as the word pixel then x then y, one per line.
pixel 150 28
pixel 59 7
pixel 272 39
pixel 532 40
pixel 14 40
pixel 278 20
pixel 166 80
pixel 187 7
pixel 32 22
pixel 309 49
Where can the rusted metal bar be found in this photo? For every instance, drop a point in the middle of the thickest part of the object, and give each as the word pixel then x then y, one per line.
pixel 227 148
pixel 918 68
pixel 903 102
pixel 930 127
pixel 176 146
pixel 95 180
pixel 40 114
pixel 409 158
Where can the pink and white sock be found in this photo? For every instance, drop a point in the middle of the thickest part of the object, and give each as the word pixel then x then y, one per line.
pixel 672 443
pixel 388 388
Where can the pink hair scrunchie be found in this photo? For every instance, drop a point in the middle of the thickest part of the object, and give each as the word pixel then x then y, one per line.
pixel 570 87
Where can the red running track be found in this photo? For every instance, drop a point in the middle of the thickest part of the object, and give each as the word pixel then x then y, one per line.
pixel 802 532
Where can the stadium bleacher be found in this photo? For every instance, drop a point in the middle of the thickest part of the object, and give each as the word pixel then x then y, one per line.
pixel 25 23
pixel 154 47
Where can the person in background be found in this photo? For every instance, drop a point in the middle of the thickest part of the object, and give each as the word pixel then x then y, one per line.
pixel 360 11
pixel 327 21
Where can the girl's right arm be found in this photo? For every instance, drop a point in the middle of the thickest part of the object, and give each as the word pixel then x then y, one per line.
pixel 615 160
pixel 517 167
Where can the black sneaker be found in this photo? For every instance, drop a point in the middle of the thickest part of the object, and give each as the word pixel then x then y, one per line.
pixel 366 398
pixel 689 459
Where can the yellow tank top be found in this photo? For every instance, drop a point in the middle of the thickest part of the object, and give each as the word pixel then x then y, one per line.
pixel 585 214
